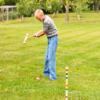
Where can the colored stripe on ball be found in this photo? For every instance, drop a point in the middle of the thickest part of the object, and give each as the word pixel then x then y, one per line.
pixel 66 73
pixel 66 69
pixel 66 96
pixel 66 77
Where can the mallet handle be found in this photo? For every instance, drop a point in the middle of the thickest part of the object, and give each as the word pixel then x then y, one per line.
pixel 30 36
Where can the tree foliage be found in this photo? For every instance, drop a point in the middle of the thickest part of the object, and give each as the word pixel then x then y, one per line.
pixel 1 2
pixel 21 7
pixel 95 4
pixel 27 7
pixel 53 6
pixel 10 2
pixel 80 5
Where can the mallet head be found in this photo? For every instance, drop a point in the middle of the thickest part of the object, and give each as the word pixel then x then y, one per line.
pixel 26 37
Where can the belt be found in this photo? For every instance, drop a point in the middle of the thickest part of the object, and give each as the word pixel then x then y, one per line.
pixel 52 36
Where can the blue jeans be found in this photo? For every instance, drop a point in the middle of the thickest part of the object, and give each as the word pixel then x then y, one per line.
pixel 50 66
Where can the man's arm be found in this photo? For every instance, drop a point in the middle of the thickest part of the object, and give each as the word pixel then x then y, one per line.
pixel 40 33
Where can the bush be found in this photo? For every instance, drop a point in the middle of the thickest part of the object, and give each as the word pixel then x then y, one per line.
pixel 14 16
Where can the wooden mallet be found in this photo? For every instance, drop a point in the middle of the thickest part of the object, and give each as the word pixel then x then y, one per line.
pixel 26 37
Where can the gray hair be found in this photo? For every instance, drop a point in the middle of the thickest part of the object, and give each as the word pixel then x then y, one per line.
pixel 38 12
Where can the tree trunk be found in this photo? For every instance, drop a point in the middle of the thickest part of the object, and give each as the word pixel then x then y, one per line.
pixel 53 14
pixel 78 17
pixel 57 12
pixel 67 10
pixel 22 17
pixel 97 6
pixel 67 13
pixel 93 7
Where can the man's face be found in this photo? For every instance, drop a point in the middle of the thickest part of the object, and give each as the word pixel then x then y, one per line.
pixel 39 18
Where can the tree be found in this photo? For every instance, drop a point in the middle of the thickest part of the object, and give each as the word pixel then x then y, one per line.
pixel 27 7
pixel 10 2
pixel 95 4
pixel 66 5
pixel 53 6
pixel 21 7
pixel 79 6
pixel 1 2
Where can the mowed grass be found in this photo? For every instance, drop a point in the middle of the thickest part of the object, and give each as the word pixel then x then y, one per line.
pixel 79 49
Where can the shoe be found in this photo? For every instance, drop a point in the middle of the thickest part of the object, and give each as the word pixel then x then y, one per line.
pixel 45 76
pixel 51 80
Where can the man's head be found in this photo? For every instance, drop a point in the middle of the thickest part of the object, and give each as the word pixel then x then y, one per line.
pixel 39 14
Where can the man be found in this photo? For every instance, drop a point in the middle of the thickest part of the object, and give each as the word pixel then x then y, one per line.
pixel 51 32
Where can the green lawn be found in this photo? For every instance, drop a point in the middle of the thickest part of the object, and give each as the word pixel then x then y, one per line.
pixel 79 49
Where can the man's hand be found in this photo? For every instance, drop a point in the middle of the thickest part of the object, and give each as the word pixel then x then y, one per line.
pixel 35 35
pixel 40 33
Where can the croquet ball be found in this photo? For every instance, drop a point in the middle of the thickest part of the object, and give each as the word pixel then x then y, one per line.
pixel 37 78
pixel 0 71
